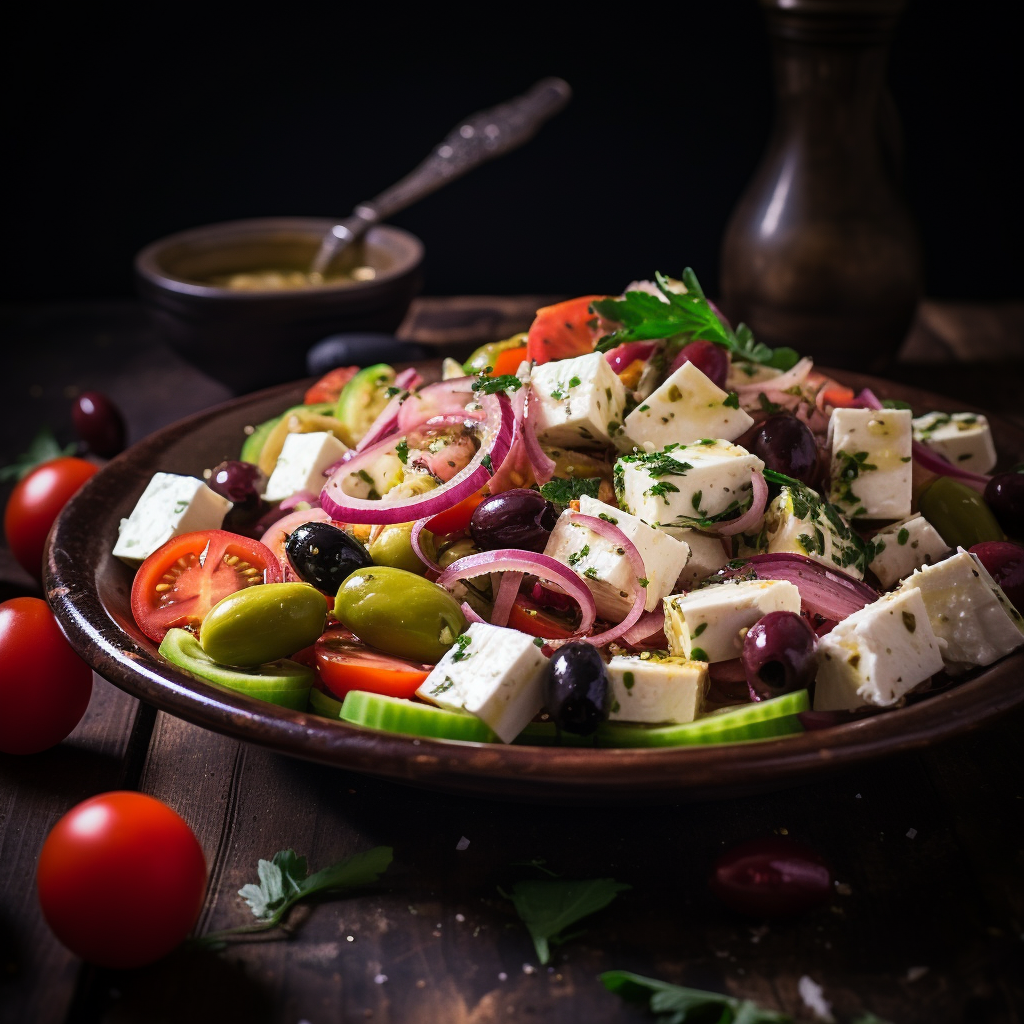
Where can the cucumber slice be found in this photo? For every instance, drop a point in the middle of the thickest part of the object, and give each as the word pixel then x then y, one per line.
pixel 757 721
pixel 392 714
pixel 252 446
pixel 321 703
pixel 284 682
pixel 362 400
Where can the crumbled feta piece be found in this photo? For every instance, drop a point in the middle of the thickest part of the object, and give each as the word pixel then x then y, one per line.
pixel 800 521
pixel 169 506
pixel 871 462
pixel 968 610
pixel 301 464
pixel 710 624
pixel 707 554
pixel 903 547
pixel 604 566
pixel 963 438
pixel 656 688
pixel 576 402
pixel 687 407
pixel 876 655
pixel 492 672
pixel 683 484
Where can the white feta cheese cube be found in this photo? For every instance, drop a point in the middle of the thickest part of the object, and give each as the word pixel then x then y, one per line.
pixel 963 438
pixel 603 564
pixel 968 610
pixel 682 484
pixel 301 464
pixel 169 506
pixel 707 555
pixel 687 407
pixel 576 402
pixel 710 624
pixel 871 462
pixel 492 672
pixel 657 689
pixel 905 546
pixel 876 655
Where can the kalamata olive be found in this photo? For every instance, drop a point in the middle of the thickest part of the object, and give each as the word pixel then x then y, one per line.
pixel 99 423
pixel 709 358
pixel 1005 564
pixel 239 482
pixel 778 655
pixel 324 555
pixel 785 444
pixel 519 518
pixel 959 513
pixel 771 877
pixel 1005 496
pixel 577 693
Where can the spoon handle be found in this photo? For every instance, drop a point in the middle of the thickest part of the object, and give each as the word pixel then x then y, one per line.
pixel 473 141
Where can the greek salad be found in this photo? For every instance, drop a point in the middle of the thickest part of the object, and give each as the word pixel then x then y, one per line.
pixel 632 525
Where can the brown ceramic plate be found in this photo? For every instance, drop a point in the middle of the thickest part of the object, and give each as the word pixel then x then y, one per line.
pixel 89 591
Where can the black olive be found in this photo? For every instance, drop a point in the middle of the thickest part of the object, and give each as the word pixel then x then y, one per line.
pixel 324 555
pixel 577 692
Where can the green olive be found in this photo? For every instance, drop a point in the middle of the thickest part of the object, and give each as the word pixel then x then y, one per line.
pixel 263 623
pixel 485 355
pixel 399 612
pixel 393 546
pixel 959 513
pixel 456 550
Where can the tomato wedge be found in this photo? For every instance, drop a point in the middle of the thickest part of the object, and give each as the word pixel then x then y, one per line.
pixel 509 360
pixel 456 518
pixel 528 617
pixel 345 664
pixel 181 581
pixel 562 331
pixel 328 387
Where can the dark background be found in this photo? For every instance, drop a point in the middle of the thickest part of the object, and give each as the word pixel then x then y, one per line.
pixel 118 131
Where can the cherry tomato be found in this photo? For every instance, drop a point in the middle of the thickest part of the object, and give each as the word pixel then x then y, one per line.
pixel 456 518
pixel 182 580
pixel 509 360
pixel 44 686
pixel 562 331
pixel 328 387
pixel 528 617
pixel 121 879
pixel 34 504
pixel 345 664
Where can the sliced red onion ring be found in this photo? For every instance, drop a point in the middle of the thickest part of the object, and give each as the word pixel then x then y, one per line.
pixel 498 428
pixel 826 592
pixel 543 466
pixel 311 499
pixel 470 613
pixel 785 380
pixel 612 533
pixel 417 547
pixel 646 626
pixel 515 560
pixel 620 357
pixel 753 515
pixel 387 422
pixel 446 397
pixel 508 589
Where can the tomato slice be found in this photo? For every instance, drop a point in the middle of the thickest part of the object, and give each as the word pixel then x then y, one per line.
pixel 328 387
pixel 528 617
pixel 181 581
pixel 509 360
pixel 456 518
pixel 562 331
pixel 345 664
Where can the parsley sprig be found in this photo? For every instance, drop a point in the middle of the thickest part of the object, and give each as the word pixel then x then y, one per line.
pixel 683 317
pixel 492 385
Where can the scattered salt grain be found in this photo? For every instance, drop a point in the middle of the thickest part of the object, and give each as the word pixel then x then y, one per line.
pixel 502 976
pixel 462 844
pixel 379 979
pixel 529 969
pixel 916 973
pixel 813 996
pixel 911 832
pixel 857 797
pixel 350 938
pixel 460 918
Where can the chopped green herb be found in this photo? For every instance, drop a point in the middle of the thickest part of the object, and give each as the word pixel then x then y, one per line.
pixel 402 451
pixel 700 629
pixel 698 654
pixel 462 643
pixel 643 408
pixel 493 385
pixel 695 500
pixel 894 403
pixel 574 382
pixel 767 405
pixel 903 536
pixel 578 556
pixel 538 641
pixel 660 490
pixel 732 400
pixel 562 491
pixel 643 581
pixel 487 464
pixel 607 518
pixel 628 680
pixel 391 392
pixel 590 572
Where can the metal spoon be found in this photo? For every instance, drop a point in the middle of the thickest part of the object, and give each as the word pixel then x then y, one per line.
pixel 475 140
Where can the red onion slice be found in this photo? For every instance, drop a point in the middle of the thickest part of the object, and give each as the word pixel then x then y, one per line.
pixel 446 397
pixel 498 427
pixel 387 422
pixel 417 547
pixel 620 357
pixel 543 466
pixel 470 613
pixel 646 626
pixel 313 500
pixel 753 515
pixel 508 589
pixel 542 566
pixel 789 379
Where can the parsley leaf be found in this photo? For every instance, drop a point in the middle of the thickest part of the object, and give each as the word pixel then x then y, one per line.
pixel 487 464
pixel 673 1003
pixel 549 906
pixel 42 449
pixel 492 385
pixel 561 491
pixel 402 451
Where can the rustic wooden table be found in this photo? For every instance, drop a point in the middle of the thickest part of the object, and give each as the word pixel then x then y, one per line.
pixel 926 923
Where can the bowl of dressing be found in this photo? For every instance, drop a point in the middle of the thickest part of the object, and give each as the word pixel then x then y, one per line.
pixel 237 300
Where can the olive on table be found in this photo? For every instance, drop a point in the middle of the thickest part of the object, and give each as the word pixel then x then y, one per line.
pixel 1004 562
pixel 99 424
pixel 263 623
pixel 399 612
pixel 519 518
pixel 324 555
pixel 779 655
pixel 393 546
pixel 1004 494
pixel 709 358
pixel 785 444
pixel 577 692
pixel 959 513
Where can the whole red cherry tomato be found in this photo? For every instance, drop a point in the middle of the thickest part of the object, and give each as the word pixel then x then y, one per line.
pixel 121 879
pixel 44 686
pixel 34 504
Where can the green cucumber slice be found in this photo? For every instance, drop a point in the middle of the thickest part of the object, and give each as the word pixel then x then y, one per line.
pixel 321 703
pixel 284 682
pixel 393 714
pixel 756 721
pixel 362 400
